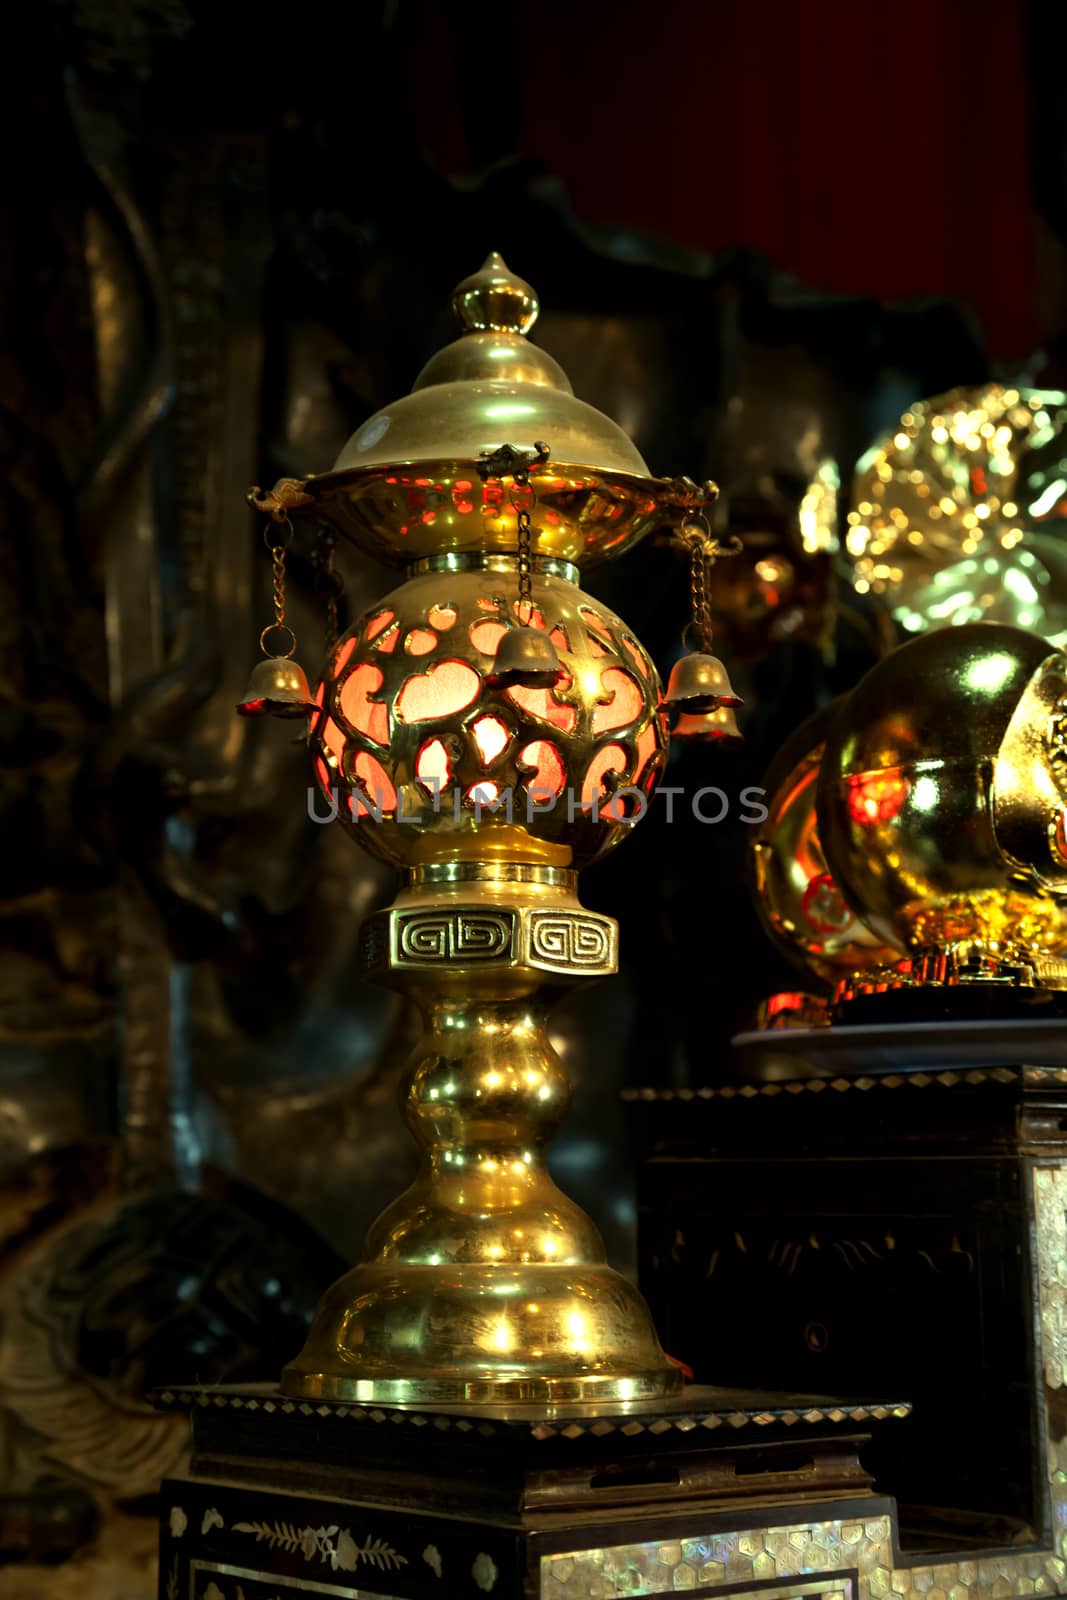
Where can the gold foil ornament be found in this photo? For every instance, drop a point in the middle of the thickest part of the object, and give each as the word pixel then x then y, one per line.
pixel 960 514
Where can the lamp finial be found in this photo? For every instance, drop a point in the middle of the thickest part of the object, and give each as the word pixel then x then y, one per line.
pixel 494 300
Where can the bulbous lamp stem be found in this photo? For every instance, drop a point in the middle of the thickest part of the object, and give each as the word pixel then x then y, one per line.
pixel 483 1281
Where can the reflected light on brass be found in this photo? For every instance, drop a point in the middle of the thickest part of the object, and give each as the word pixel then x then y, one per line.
pixel 799 902
pixel 959 514
pixel 483 1281
pixel 941 804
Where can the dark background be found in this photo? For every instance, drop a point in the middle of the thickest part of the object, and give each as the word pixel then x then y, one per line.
pixel 758 232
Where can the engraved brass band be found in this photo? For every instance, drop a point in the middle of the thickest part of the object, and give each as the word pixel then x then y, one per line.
pixel 557 940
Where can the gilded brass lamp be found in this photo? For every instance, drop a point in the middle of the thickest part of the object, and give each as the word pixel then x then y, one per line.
pixel 488 774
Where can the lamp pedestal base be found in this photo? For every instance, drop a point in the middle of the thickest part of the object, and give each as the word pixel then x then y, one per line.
pixel 548 1321
pixel 483 1282
pixel 289 1498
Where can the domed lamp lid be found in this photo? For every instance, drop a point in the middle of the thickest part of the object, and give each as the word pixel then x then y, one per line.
pixel 489 386
pixel 411 485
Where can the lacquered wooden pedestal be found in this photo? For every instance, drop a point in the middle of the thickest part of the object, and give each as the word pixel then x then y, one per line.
pixel 714 1493
pixel 888 1200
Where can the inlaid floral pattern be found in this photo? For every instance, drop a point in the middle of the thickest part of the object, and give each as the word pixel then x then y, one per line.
pixel 333 1545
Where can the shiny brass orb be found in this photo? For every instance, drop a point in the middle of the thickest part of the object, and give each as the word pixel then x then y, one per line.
pixel 959 514
pixel 429 758
pixel 941 799
pixel 799 902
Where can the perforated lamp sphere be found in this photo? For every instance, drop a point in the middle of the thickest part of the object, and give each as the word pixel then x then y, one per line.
pixel 942 795
pixel 425 756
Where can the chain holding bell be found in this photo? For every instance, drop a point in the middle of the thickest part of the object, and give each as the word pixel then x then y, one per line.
pixel 699 684
pixel 278 686
pixel 525 656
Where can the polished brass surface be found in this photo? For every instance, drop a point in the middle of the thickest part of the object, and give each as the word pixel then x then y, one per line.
pixel 957 966
pixel 700 683
pixel 708 727
pixel 407 485
pixel 483 1281
pixel 959 514
pixel 494 300
pixel 490 386
pixel 490 872
pixel 1030 779
pixel 799 902
pixel 941 801
pixel 492 561
pixel 526 659
pixel 792 1008
pixel 277 687
pixel 421 508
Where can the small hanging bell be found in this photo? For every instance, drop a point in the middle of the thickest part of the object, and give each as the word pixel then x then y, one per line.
pixel 525 657
pixel 277 687
pixel 710 727
pixel 700 683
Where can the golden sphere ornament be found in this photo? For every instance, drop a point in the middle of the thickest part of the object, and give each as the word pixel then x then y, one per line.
pixel 798 899
pixel 960 513
pixel 941 804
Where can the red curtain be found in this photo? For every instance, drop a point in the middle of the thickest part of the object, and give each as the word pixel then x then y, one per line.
pixel 868 147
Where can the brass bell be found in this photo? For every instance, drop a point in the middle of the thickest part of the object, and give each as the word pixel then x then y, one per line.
pixel 700 683
pixel 277 687
pixel 709 727
pixel 525 657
